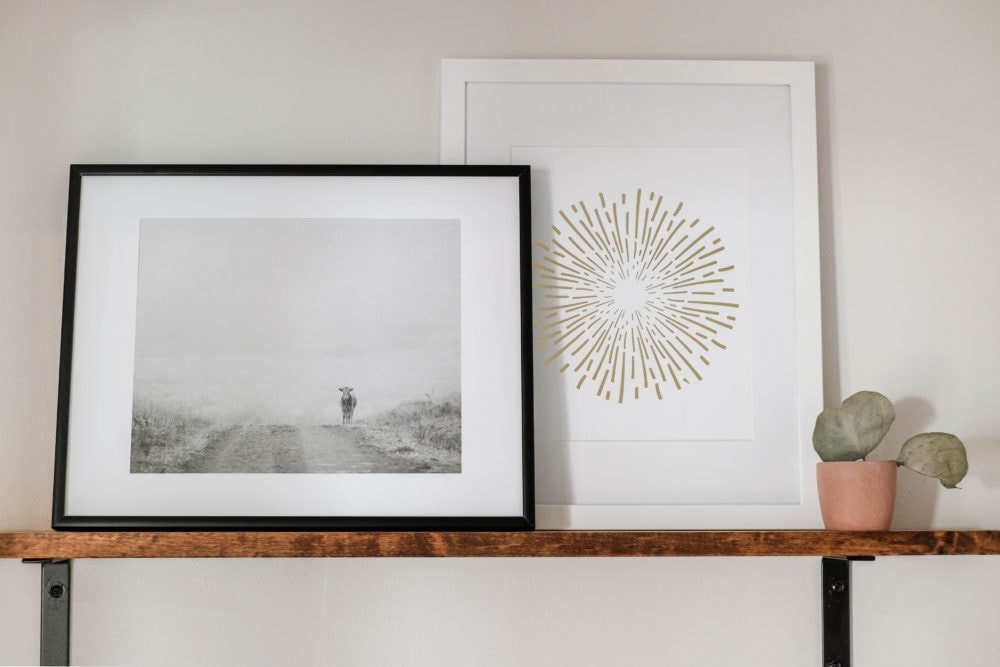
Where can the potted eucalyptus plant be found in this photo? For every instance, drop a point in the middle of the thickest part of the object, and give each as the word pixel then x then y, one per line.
pixel 858 494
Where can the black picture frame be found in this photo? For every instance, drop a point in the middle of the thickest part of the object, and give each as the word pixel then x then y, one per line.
pixel 214 314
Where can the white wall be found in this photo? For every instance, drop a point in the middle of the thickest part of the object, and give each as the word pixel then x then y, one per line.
pixel 908 94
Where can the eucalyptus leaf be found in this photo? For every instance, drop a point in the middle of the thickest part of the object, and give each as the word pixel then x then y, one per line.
pixel 940 455
pixel 853 430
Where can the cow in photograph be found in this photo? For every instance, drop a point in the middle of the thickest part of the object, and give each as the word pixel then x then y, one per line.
pixel 347 402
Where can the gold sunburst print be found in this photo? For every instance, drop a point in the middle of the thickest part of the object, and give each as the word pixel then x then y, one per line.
pixel 633 296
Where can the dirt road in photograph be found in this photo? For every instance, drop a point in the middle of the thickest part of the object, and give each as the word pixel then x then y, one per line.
pixel 275 448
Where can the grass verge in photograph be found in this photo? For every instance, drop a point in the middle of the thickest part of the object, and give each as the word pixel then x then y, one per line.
pixel 428 431
pixel 165 440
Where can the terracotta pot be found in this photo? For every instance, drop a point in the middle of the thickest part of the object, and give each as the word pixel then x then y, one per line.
pixel 856 495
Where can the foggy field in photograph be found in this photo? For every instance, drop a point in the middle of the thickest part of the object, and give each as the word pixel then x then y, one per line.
pixel 247 330
pixel 418 437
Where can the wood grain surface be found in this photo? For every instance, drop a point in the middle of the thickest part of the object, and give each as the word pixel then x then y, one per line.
pixel 59 545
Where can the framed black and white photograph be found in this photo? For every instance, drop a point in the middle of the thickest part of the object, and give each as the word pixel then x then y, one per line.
pixel 295 347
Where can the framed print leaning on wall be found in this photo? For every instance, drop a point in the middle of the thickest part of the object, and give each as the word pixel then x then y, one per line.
pixel 676 315
pixel 295 347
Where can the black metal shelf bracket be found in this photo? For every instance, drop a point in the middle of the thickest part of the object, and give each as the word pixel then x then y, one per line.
pixel 837 610
pixel 54 649
pixel 55 610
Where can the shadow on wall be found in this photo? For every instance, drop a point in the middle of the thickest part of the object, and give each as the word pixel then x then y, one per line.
pixel 984 459
pixel 916 495
pixel 830 318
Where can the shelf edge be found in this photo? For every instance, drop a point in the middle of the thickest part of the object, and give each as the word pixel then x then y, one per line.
pixel 543 544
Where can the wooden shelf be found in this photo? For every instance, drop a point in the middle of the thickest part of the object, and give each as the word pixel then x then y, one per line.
pixel 543 543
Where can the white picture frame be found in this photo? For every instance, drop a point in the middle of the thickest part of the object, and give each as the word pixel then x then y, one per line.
pixel 576 122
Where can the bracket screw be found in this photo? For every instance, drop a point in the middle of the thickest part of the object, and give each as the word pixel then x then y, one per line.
pixel 837 587
pixel 833 663
pixel 57 591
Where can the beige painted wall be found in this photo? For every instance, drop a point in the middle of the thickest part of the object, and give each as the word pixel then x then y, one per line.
pixel 908 97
